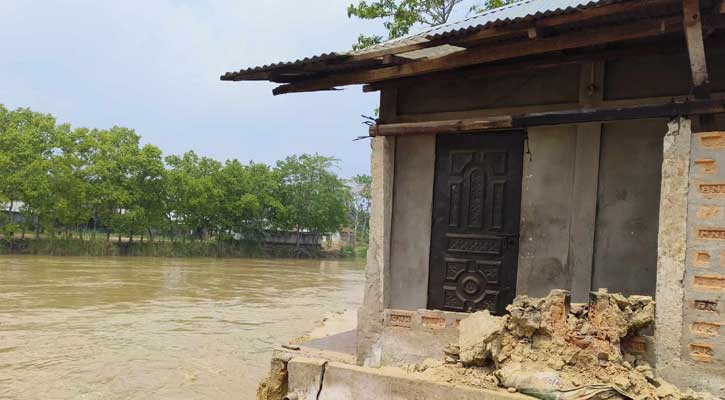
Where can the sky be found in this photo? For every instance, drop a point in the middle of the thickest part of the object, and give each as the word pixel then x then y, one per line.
pixel 154 66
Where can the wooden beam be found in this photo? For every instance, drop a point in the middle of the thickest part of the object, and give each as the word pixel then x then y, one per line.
pixel 483 55
pixel 545 62
pixel 692 22
pixel 577 116
pixel 437 127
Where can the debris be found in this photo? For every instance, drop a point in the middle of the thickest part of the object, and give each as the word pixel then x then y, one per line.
pixel 552 350
pixel 274 387
pixel 479 336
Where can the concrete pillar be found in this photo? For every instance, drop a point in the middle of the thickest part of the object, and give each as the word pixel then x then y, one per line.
pixel 671 245
pixel 377 271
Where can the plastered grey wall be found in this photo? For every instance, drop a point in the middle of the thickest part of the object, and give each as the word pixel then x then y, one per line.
pixel 546 203
pixel 411 230
pixel 625 250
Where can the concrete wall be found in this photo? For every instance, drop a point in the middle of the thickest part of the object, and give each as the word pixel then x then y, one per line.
pixel 625 255
pixel 411 225
pixel 546 204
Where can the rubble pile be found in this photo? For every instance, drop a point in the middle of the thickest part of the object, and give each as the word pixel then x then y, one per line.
pixel 551 349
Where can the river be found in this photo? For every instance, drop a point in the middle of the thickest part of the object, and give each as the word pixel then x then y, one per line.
pixel 145 328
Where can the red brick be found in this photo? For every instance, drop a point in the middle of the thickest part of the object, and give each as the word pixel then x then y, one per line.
pixel 701 352
pixel 711 234
pixel 710 281
pixel 714 140
pixel 707 212
pixel 705 305
pixel 433 322
pixel 705 328
pixel 701 259
pixel 707 165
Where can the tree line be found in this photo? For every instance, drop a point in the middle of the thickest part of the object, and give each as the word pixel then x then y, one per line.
pixel 65 180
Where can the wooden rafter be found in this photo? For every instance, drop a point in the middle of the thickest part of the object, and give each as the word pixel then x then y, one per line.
pixel 487 54
pixel 577 116
pixel 544 62
pixel 692 21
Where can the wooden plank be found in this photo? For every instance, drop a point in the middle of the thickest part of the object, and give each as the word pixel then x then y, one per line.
pixel 697 107
pixel 695 45
pixel 489 54
pixel 436 127
pixel 568 117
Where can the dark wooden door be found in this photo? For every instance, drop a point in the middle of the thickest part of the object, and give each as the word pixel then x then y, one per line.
pixel 475 235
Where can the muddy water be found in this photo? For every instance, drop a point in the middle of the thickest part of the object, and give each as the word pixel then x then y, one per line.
pixel 136 328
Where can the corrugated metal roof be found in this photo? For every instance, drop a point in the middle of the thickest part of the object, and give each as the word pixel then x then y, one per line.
pixel 517 12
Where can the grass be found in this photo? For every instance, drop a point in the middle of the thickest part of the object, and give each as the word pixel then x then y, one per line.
pixel 63 246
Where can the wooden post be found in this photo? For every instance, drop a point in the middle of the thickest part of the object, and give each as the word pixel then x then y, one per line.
pixel 695 47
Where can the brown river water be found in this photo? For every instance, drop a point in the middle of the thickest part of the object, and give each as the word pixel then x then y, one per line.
pixel 146 328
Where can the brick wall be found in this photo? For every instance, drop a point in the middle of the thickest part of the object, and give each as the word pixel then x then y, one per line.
pixel 704 280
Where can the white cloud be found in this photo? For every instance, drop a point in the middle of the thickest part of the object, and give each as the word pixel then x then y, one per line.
pixel 155 66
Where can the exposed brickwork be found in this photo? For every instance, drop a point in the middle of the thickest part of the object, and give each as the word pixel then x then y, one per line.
pixel 704 305
pixel 433 322
pixel 712 189
pixel 708 213
pixel 711 233
pixel 701 352
pixel 701 259
pixel 422 319
pixel 714 140
pixel 400 318
pixel 706 165
pixel 635 345
pixel 702 341
pixel 705 328
pixel 710 282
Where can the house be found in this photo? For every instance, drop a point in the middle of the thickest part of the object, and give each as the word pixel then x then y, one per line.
pixel 548 144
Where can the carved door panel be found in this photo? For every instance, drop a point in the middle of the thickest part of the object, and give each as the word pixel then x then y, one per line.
pixel 476 208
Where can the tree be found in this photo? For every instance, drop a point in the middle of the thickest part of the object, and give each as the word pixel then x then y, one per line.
pixel 194 198
pixel 147 185
pixel 400 16
pixel 360 205
pixel 315 198
pixel 27 144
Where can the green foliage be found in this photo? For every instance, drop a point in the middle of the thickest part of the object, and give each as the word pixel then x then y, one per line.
pixel 315 198
pixel 489 5
pixel 400 16
pixel 360 206
pixel 69 181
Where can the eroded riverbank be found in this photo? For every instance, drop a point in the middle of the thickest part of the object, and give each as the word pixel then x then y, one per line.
pixel 144 328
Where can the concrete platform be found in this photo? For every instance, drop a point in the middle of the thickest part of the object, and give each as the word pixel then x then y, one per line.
pixel 344 343
pixel 317 379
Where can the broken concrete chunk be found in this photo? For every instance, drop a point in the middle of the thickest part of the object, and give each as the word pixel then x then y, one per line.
pixel 525 316
pixel 478 335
